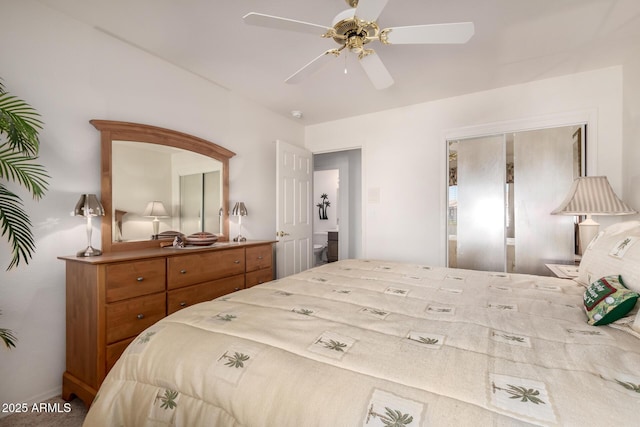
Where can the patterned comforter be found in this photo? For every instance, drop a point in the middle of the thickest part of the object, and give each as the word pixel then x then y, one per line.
pixel 372 343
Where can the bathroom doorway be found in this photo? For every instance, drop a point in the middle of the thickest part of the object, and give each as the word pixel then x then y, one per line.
pixel 337 204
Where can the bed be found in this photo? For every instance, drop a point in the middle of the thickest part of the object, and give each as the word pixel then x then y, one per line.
pixel 380 343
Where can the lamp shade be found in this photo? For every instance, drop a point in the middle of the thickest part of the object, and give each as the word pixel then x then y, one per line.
pixel 88 205
pixel 239 209
pixel 155 209
pixel 592 195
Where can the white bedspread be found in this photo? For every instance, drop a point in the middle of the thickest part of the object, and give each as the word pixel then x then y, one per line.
pixel 372 343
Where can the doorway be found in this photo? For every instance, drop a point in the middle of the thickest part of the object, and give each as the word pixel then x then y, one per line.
pixel 337 204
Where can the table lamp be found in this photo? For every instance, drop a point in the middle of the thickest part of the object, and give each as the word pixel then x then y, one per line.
pixel 239 210
pixel 155 210
pixel 89 206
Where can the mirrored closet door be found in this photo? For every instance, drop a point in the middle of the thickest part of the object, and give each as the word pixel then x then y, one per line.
pixel 502 189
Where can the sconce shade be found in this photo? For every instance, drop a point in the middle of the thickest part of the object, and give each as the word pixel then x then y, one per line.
pixel 88 205
pixel 592 195
pixel 239 209
pixel 155 209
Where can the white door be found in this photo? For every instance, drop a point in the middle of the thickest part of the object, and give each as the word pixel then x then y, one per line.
pixel 294 224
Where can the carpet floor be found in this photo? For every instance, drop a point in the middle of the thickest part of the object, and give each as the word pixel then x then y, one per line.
pixel 54 412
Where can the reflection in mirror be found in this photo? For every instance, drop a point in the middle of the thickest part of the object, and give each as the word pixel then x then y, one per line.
pixel 150 170
pixel 186 183
pixel 200 205
pixel 501 191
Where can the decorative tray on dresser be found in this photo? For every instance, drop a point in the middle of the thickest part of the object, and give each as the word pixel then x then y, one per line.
pixel 112 298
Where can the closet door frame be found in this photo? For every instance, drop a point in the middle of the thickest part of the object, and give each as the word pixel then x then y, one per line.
pixel 586 118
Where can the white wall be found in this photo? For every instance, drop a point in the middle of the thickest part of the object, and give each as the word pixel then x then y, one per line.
pixel 72 73
pixel 631 141
pixel 403 151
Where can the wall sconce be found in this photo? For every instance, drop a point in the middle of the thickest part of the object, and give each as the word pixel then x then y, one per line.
pixel 239 210
pixel 89 206
pixel 591 195
pixel 155 210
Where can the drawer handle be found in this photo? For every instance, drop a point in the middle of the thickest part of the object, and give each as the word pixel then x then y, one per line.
pixel 237 289
pixel 183 304
pixel 260 257
pixel 140 316
pixel 236 261
pixel 140 279
pixel 183 271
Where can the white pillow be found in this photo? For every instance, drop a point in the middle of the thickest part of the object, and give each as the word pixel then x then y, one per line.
pixel 636 323
pixel 616 250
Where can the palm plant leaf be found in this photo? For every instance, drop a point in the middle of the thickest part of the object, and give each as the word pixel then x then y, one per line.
pixel 7 336
pixel 17 167
pixel 20 122
pixel 15 223
pixel 19 145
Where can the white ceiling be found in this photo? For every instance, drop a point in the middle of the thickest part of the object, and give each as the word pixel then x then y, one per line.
pixel 515 41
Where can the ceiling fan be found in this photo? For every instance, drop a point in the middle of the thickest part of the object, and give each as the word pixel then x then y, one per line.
pixel 354 28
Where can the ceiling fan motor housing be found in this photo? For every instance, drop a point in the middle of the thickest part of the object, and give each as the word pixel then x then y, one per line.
pixel 353 32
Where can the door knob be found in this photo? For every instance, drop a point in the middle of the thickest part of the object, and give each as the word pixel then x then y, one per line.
pixel 281 234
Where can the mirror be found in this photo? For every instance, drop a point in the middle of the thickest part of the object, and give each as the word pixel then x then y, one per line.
pixel 143 164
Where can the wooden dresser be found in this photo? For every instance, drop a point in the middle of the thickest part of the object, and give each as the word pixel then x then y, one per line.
pixel 112 298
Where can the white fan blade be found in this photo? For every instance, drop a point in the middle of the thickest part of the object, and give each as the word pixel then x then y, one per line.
pixel 377 72
pixel 369 10
pixel 279 23
pixel 311 67
pixel 459 32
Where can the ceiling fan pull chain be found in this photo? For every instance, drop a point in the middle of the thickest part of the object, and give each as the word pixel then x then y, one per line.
pixel 345 64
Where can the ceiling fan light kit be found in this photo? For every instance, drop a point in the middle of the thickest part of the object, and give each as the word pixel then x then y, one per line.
pixel 354 28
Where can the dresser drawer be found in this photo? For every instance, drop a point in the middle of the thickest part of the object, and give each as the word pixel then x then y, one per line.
pixel 259 257
pixel 258 277
pixel 114 351
pixel 128 318
pixel 132 279
pixel 190 295
pixel 191 269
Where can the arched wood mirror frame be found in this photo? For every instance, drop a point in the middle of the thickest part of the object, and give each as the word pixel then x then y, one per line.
pixel 123 131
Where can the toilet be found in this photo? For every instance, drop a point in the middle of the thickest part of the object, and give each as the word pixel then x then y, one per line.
pixel 320 247
pixel 320 254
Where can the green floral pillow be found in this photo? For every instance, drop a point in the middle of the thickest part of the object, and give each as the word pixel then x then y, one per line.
pixel 607 300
